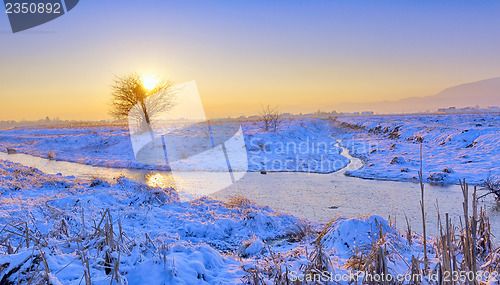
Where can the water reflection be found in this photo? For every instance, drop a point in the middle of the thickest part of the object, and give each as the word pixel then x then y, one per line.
pixel 160 180
pixel 318 197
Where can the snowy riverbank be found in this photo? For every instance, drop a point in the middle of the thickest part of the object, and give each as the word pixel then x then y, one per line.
pixel 454 146
pixel 71 231
pixel 300 145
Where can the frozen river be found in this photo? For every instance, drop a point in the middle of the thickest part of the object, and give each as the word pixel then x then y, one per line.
pixel 317 197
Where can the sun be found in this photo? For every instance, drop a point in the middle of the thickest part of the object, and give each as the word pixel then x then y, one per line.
pixel 149 81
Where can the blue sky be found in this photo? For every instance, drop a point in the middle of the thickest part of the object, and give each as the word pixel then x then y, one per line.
pixel 300 55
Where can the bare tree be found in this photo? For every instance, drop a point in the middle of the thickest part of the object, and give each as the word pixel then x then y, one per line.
pixel 492 185
pixel 270 117
pixel 129 99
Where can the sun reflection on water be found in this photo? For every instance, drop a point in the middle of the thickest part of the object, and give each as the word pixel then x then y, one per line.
pixel 162 180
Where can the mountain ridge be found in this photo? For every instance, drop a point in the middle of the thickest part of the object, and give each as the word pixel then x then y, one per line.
pixel 483 93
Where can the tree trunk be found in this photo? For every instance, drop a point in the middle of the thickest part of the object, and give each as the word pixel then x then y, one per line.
pixel 148 122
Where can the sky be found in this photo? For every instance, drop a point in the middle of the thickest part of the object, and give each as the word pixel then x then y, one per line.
pixel 299 55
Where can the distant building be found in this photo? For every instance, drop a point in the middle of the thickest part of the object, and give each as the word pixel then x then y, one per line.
pixel 467 110
pixel 450 110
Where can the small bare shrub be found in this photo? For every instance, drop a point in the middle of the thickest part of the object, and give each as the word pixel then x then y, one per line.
pixel 270 117
pixel 492 185
pixel 51 155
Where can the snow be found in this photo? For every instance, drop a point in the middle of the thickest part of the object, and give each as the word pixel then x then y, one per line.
pixel 101 146
pixel 454 146
pixel 136 234
pixel 348 234
pixel 176 243
pixel 133 233
pixel 300 145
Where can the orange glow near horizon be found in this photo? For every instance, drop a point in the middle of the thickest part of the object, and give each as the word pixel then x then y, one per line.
pixel 337 52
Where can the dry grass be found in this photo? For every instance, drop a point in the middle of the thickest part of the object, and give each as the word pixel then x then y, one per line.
pixel 372 259
pixel 105 242
pixel 463 249
pixel 272 269
pixel 303 230
pixel 319 260
pixel 239 202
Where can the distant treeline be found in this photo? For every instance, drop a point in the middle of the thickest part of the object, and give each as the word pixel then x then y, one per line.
pixel 54 122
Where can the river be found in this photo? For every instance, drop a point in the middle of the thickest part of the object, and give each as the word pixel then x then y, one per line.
pixel 317 197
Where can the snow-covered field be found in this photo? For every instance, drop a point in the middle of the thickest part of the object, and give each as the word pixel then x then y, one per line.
pixel 454 146
pixel 302 145
pixel 102 146
pixel 155 239
pixel 70 231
